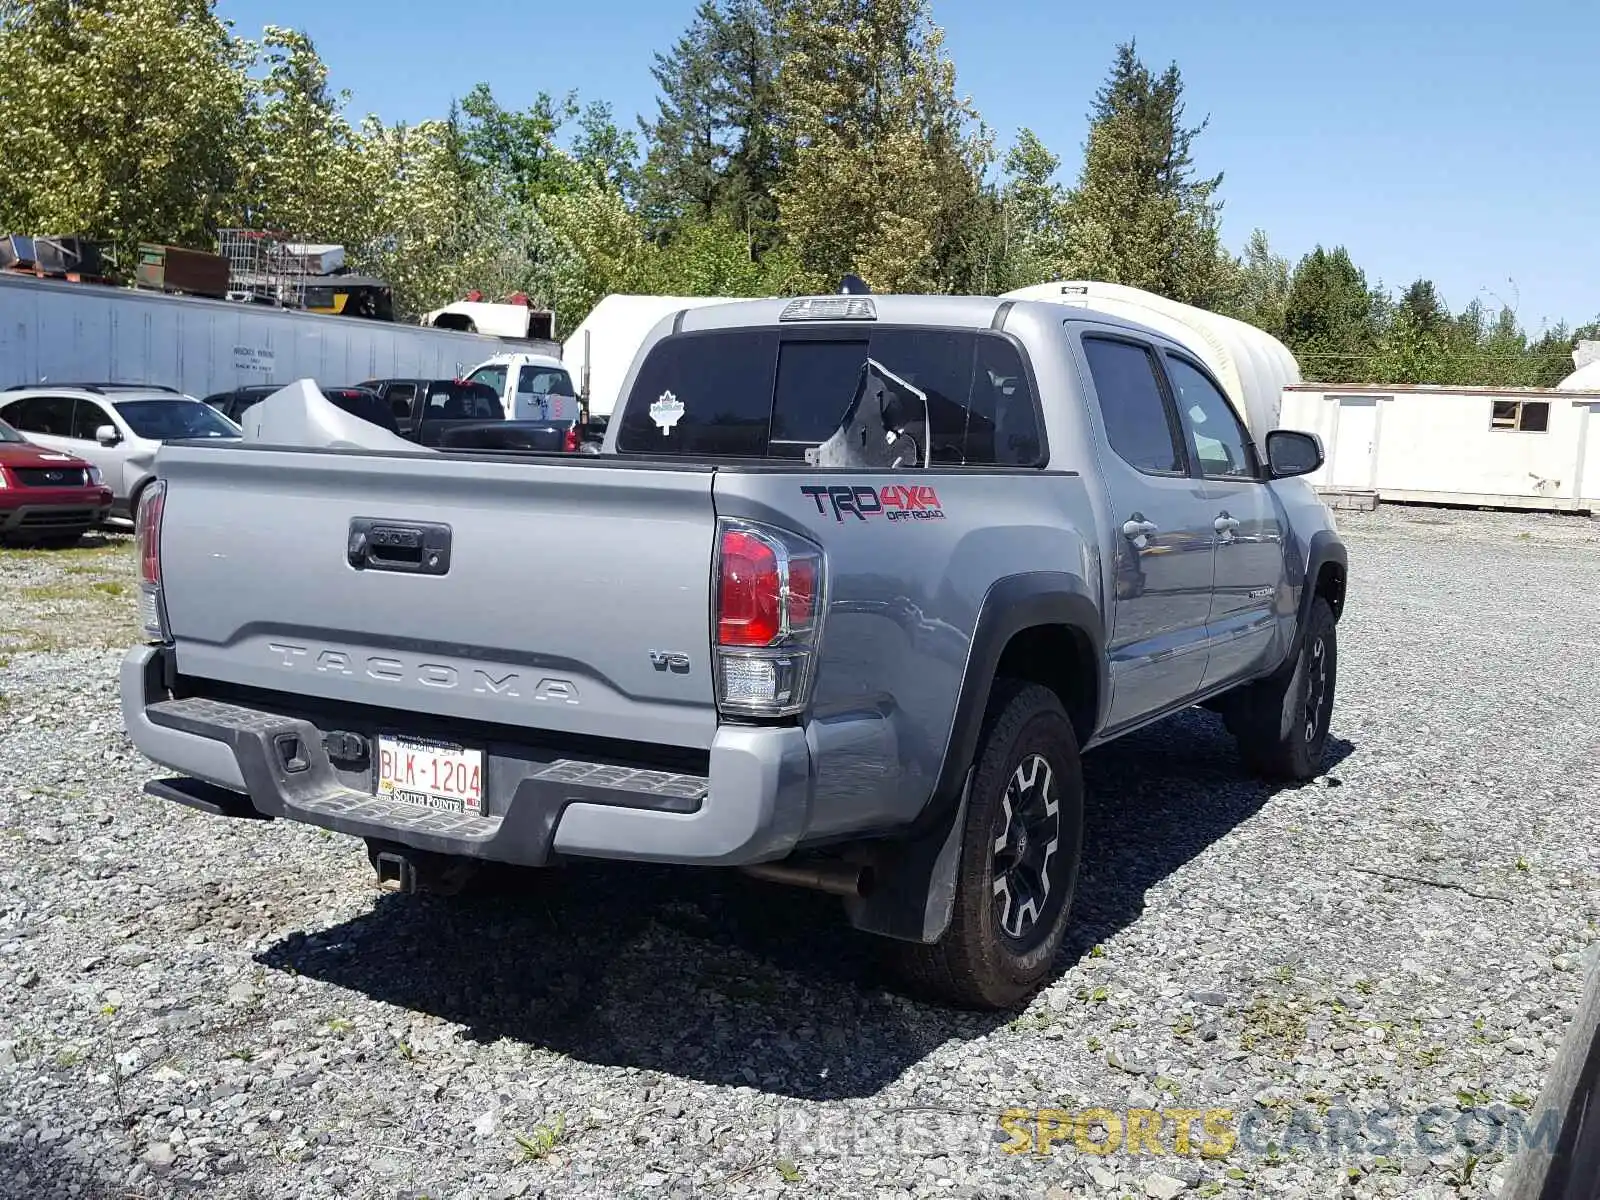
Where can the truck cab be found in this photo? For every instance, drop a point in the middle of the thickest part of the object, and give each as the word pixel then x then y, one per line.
pixel 531 387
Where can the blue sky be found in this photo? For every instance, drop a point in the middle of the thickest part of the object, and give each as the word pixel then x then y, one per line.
pixel 1453 140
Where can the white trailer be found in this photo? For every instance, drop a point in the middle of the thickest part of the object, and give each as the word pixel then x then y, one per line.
pixel 56 331
pixel 1252 366
pixel 601 349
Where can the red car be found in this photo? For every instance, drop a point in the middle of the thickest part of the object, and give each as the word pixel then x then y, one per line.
pixel 46 496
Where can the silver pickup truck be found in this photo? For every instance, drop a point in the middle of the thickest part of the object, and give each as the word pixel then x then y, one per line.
pixel 852 584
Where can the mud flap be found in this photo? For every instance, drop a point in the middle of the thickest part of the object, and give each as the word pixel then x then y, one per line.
pixel 914 882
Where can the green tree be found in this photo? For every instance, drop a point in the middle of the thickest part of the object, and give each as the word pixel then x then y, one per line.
pixel 120 119
pixel 714 145
pixel 519 151
pixel 1140 215
pixel 1329 318
pixel 883 152
pixel 682 174
pixel 1032 215
pixel 606 152
pixel 1262 285
pixel 305 174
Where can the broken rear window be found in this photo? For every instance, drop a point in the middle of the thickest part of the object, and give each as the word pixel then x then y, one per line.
pixel 756 393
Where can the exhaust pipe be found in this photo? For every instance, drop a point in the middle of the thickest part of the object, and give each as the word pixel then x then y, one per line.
pixel 835 878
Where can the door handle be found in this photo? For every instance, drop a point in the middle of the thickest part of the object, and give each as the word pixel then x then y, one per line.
pixel 1225 524
pixel 413 547
pixel 1137 527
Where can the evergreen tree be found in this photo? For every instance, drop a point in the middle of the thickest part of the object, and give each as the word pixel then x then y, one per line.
pixel 884 154
pixel 747 48
pixel 682 174
pixel 1140 214
pixel 1329 319
pixel 714 147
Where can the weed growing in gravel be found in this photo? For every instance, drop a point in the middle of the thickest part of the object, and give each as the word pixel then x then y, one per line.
pixel 544 1138
pixel 1031 1022
pixel 68 1057
pixel 790 1173
pixel 339 1026
pixel 1275 1024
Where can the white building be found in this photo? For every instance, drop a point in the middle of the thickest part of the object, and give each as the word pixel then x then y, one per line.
pixel 1535 448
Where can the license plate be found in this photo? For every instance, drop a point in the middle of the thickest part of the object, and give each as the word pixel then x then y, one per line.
pixel 433 775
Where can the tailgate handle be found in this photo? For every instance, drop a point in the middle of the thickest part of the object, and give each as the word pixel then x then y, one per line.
pixel 416 547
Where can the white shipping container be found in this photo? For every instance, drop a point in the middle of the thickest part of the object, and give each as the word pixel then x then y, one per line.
pixel 80 332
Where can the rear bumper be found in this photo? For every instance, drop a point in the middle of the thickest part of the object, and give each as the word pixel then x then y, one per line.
pixel 751 806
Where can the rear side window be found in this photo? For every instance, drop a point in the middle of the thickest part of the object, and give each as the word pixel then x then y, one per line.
pixel 49 415
pixel 755 393
pixel 494 377
pixel 1138 423
pixel 400 396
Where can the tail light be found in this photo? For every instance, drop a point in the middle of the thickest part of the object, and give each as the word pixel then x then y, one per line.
pixel 147 536
pixel 769 592
pixel 570 443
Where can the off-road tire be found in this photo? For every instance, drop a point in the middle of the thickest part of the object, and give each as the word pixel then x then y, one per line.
pixel 977 963
pixel 1281 723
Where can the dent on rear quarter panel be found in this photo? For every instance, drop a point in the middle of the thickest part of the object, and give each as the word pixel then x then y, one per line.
pixel 903 602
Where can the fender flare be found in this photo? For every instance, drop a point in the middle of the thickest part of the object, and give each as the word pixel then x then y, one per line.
pixel 915 878
pixel 1325 547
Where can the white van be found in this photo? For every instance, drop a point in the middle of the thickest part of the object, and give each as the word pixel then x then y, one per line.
pixel 531 387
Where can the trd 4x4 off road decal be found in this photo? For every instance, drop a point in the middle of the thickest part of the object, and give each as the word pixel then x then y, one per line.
pixel 893 502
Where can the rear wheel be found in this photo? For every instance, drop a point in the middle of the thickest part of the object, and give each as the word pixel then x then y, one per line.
pixel 1020 854
pixel 1281 723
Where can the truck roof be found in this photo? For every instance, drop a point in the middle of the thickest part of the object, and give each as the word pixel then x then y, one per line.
pixel 959 312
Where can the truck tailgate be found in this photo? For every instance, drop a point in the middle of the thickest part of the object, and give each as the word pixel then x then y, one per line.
pixel 575 596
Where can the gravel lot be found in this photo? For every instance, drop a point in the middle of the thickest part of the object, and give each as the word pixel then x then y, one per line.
pixel 190 1007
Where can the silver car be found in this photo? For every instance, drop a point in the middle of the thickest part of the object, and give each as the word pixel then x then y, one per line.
pixel 117 427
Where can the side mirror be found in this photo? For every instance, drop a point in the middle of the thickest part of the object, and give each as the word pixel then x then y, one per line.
pixel 107 435
pixel 1290 453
